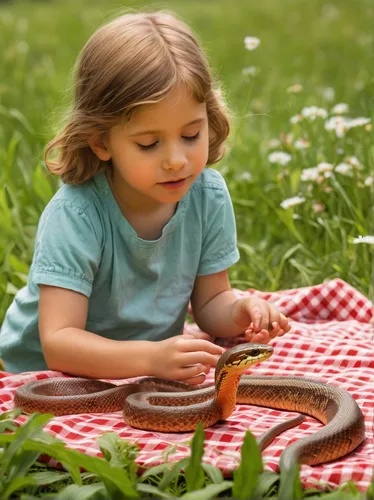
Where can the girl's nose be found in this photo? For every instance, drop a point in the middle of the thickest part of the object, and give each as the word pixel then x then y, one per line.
pixel 175 159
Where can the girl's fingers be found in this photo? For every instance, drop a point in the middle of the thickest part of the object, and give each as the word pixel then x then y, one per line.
pixel 200 379
pixel 194 372
pixel 283 322
pixel 201 357
pixel 193 345
pixel 201 335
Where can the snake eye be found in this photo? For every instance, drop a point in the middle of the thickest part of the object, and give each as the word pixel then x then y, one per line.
pixel 255 352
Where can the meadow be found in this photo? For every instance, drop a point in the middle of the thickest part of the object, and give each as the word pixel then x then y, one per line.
pixel 300 157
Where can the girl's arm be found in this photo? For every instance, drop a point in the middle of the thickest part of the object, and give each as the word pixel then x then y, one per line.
pixel 69 348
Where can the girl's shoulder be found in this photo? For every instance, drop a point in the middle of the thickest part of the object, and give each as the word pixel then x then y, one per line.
pixel 210 179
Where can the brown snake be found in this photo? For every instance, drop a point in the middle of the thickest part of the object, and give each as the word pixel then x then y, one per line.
pixel 181 409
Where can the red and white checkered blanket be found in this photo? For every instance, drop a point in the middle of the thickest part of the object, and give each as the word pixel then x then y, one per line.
pixel 332 339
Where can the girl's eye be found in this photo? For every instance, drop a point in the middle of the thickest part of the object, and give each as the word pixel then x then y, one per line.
pixel 188 138
pixel 146 148
pixel 191 137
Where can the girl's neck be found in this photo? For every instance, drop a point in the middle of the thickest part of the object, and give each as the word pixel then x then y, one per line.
pixel 147 217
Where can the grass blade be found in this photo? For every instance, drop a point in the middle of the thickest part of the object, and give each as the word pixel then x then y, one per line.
pixel 194 473
pixel 246 476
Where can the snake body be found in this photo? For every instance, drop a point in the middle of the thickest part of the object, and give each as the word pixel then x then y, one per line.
pixel 178 407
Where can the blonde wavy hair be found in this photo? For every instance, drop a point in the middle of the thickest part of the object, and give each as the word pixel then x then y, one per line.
pixel 136 59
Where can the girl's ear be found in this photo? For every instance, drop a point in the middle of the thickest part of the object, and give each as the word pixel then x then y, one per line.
pixel 99 147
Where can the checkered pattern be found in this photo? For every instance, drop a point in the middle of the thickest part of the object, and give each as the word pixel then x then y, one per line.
pixel 332 339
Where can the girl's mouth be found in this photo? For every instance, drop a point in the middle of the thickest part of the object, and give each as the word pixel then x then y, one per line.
pixel 173 184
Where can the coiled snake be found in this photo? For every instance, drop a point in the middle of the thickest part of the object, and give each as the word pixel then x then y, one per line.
pixel 180 411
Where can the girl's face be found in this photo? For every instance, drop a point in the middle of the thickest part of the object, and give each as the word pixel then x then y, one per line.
pixel 161 151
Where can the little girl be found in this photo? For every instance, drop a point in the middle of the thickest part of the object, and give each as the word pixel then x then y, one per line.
pixel 140 226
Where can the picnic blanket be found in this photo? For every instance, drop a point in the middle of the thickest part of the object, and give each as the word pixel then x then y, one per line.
pixel 332 339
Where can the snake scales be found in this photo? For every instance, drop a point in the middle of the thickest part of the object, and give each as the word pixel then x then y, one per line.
pixel 181 409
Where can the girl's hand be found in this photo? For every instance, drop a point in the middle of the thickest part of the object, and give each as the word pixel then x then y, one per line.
pixel 187 358
pixel 260 320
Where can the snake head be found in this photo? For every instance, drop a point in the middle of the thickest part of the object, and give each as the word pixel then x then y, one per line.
pixel 239 358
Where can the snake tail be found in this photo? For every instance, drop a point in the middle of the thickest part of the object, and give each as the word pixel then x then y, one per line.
pixel 344 425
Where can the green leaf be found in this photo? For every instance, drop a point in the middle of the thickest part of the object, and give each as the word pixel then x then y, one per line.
pixel 213 473
pixel 247 474
pixel 156 470
pixel 49 477
pixel 87 492
pixel 209 492
pixel 173 473
pixel 15 484
pixel 266 483
pixel 194 473
pixel 153 490
pixel 32 428
pixel 290 484
pixel 21 463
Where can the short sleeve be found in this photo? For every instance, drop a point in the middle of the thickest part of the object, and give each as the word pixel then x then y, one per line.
pixel 67 249
pixel 219 250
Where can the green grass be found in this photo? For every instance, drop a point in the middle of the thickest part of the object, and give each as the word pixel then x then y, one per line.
pixel 117 477
pixel 323 46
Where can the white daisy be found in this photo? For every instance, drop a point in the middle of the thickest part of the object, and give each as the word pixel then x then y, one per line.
pixel 358 122
pixel 273 143
pixel 338 124
pixel 344 169
pixel 251 42
pixel 313 112
pixel 244 176
pixel 364 239
pixel 328 93
pixel 325 167
pixel 340 108
pixel 301 143
pixel 295 89
pixel 296 119
pixel 310 174
pixel 354 161
pixel 250 71
pixel 291 202
pixel 279 157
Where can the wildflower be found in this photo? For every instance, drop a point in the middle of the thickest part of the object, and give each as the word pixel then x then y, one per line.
pixel 274 143
pixel 296 119
pixel 358 122
pixel 364 239
pixel 324 167
pixel 251 42
pixel 291 202
pixel 338 124
pixel 244 176
pixel 368 127
pixel 344 169
pixel 302 143
pixel 286 138
pixel 250 71
pixel 328 93
pixel 295 89
pixel 369 181
pixel 279 157
pixel 313 112
pixel 340 108
pixel 318 207
pixel 354 161
pixel 309 174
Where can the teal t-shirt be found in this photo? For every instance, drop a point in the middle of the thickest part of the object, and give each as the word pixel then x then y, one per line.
pixel 137 289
